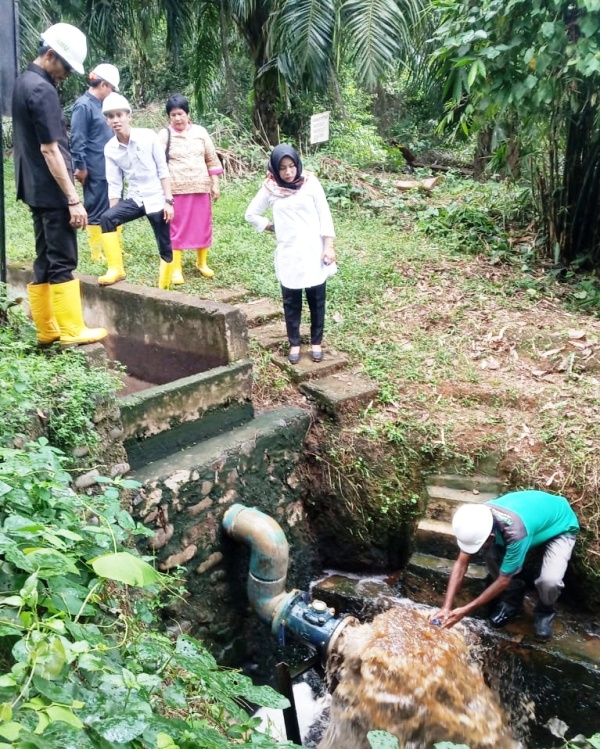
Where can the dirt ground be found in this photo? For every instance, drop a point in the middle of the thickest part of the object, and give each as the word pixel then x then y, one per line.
pixel 525 384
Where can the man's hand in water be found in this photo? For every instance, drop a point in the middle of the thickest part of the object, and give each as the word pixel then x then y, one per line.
pixel 439 617
pixel 453 617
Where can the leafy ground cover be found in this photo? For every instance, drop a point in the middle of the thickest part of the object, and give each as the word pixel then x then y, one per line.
pixel 476 348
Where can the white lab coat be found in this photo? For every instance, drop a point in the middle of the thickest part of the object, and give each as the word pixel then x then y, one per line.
pixel 301 221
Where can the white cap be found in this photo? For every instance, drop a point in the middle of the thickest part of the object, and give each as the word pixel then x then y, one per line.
pixel 115 102
pixel 68 42
pixel 472 525
pixel 106 72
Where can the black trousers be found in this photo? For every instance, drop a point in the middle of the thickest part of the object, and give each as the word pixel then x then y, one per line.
pixel 55 245
pixel 95 197
pixel 316 297
pixel 128 210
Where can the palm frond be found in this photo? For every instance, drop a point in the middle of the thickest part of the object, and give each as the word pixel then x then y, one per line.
pixel 376 33
pixel 303 32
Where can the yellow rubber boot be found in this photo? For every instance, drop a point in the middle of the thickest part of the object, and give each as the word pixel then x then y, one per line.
pixel 66 302
pixel 95 241
pixel 201 263
pixel 164 275
pixel 42 313
pixel 177 275
pixel 111 242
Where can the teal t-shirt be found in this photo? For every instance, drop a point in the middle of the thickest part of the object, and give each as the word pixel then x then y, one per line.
pixel 526 519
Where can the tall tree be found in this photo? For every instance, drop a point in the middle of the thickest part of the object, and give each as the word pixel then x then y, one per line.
pixel 534 64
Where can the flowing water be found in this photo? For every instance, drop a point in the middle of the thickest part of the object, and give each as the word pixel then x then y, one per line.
pixel 406 676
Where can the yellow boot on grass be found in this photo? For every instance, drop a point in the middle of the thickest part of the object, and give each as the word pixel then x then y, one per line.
pixel 201 263
pixel 111 242
pixel 40 303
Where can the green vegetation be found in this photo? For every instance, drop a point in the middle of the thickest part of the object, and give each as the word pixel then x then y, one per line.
pixel 83 660
pixel 53 392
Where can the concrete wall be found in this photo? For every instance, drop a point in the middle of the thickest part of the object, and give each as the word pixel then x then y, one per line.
pixel 183 499
pixel 176 322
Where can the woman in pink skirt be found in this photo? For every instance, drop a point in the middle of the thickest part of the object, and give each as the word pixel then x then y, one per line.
pixel 194 168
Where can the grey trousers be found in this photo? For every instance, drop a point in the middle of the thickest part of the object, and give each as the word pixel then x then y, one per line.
pixel 549 584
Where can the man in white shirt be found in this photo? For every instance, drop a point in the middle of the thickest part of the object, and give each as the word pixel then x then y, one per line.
pixel 135 154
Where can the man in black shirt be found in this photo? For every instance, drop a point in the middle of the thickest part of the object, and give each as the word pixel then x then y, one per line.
pixel 44 178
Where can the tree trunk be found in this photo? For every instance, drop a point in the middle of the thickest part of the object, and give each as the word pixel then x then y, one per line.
pixel 266 82
pixel 266 99
pixel 229 83
pixel 483 152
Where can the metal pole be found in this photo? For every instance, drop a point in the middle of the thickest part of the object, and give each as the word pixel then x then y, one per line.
pixel 2 214
pixel 290 716
pixel 9 56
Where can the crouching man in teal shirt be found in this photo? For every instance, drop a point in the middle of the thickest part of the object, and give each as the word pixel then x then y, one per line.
pixel 506 528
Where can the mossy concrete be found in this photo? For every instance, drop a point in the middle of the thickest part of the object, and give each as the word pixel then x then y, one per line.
pixel 142 321
pixel 183 499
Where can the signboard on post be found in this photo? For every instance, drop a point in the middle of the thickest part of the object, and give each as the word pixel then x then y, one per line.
pixel 319 128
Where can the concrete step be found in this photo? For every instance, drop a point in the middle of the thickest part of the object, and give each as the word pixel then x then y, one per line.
pixel 443 501
pixel 267 426
pixel 436 537
pixel 426 577
pixel 228 296
pixel 341 393
pixel 478 482
pixel 273 335
pixel 260 311
pixel 306 369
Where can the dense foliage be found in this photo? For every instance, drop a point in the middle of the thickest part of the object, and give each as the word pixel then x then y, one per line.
pixel 529 70
pixel 53 392
pixel 83 663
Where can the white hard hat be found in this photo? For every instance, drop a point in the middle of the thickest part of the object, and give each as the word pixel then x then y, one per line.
pixel 472 525
pixel 106 72
pixel 68 42
pixel 114 102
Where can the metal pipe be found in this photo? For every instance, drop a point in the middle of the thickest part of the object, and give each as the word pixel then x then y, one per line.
pixel 268 560
pixel 306 619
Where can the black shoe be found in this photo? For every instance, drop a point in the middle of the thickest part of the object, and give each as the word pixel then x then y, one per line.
pixel 504 613
pixel 542 622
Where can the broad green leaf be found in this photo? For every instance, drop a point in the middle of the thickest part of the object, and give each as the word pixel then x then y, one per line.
pixel 64 714
pixel 51 562
pixel 164 741
pixel 121 729
pixel 382 740
pixel 5 712
pixel 12 601
pixel 125 568
pixel 10 731
pixel 62 693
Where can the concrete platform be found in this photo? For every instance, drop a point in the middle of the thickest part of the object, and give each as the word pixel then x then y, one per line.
pixel 435 537
pixel 260 311
pixel 341 393
pixel 426 577
pixel 306 369
pixel 273 335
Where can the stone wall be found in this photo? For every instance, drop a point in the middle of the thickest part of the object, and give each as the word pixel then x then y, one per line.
pixel 183 499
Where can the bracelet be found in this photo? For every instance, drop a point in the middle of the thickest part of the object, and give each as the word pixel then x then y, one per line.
pixel 77 202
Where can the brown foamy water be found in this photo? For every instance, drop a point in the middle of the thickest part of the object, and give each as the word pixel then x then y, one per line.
pixel 403 675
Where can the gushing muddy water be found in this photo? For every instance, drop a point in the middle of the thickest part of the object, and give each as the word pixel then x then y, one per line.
pixel 403 675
